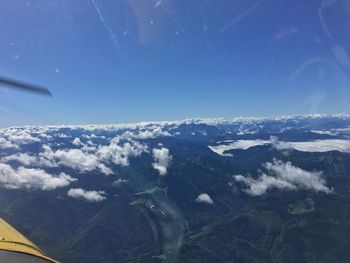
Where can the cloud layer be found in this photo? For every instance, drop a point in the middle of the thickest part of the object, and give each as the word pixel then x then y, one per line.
pixel 315 146
pixel 32 157
pixel 239 144
pixel 306 146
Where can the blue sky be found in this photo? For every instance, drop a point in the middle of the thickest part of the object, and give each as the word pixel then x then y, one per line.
pixel 110 61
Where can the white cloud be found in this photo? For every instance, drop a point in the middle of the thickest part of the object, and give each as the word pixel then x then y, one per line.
pixel 157 132
pixel 239 144
pixel 119 154
pixel 24 178
pixel 89 196
pixel 73 158
pixel 5 144
pixel 22 158
pixel 19 136
pixel 77 142
pixel 104 169
pixel 62 135
pixel 307 146
pixel 286 176
pixel 345 130
pixel 82 160
pixel 89 146
pixel 77 159
pixel 33 161
pixel 47 157
pixel 331 133
pixel 119 182
pixel 314 146
pixel 45 136
pixel 88 158
pixel 162 160
pixel 147 133
pixel 91 149
pixel 204 198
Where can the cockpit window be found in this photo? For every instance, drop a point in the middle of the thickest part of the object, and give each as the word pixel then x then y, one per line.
pixel 176 130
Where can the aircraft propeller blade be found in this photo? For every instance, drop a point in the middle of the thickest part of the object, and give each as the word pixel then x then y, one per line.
pixel 24 86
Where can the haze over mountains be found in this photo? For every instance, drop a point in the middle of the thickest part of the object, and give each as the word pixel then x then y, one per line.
pixel 201 190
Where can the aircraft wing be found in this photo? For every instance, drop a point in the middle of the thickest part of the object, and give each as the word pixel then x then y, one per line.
pixel 15 248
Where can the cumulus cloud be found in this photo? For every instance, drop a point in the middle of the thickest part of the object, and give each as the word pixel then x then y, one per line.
pixel 5 144
pixel 85 159
pixel 73 158
pixel 119 153
pixel 62 135
pixel 157 132
pixel 47 156
pixel 162 160
pixel 204 198
pixel 281 175
pixel 20 136
pixel 23 158
pixel 24 178
pixel 31 160
pixel 89 146
pixel 89 196
pixel 146 133
pixel 77 142
pixel 45 136
pixel 79 160
pixel 104 169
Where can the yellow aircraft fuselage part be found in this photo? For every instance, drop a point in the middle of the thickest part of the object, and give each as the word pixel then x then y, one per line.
pixel 12 240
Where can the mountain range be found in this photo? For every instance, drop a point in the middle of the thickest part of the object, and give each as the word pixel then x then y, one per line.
pixel 199 190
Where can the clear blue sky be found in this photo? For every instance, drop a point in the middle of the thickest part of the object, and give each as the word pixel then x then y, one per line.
pixel 110 61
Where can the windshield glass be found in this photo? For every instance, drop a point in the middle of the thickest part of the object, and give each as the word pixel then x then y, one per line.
pixel 177 130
